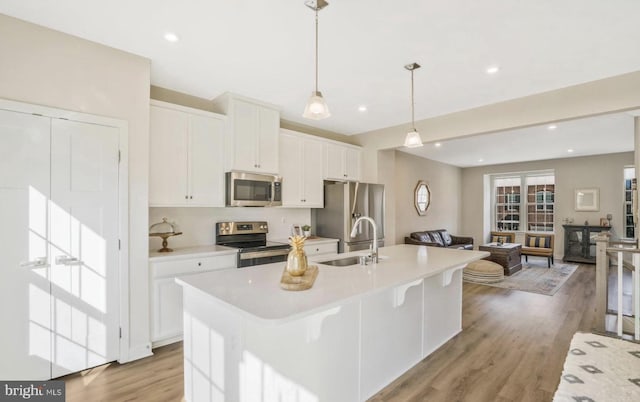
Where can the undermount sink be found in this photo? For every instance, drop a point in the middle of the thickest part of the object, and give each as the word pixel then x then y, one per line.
pixel 347 261
pixel 342 262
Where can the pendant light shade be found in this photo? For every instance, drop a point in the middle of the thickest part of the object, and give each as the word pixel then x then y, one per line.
pixel 316 108
pixel 412 140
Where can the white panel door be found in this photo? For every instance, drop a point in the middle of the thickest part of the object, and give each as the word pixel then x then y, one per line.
pixel 206 171
pixel 312 174
pixel 83 235
pixel 352 163
pixel 245 132
pixel 290 169
pixel 168 148
pixel 267 147
pixel 25 327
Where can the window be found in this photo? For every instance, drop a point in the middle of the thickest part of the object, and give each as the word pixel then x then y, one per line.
pixel 507 203
pixel 629 186
pixel 537 201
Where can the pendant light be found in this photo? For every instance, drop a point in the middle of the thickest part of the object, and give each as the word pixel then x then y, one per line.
pixel 317 108
pixel 412 140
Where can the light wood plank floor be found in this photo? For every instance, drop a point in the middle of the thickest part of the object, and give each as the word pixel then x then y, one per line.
pixel 512 348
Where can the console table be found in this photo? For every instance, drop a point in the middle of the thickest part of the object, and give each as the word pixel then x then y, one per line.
pixel 580 243
pixel 507 255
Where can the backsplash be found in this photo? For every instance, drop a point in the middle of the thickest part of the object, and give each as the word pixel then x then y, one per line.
pixel 198 224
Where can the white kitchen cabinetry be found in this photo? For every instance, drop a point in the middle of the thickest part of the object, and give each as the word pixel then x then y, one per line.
pixel 342 162
pixel 186 157
pixel 251 140
pixel 166 302
pixel 391 317
pixel 301 170
pixel 330 246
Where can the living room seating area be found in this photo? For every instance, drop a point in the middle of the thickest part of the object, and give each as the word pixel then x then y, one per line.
pixel 439 238
pixel 538 245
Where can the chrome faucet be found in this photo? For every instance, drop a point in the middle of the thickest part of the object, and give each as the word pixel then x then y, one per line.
pixel 374 243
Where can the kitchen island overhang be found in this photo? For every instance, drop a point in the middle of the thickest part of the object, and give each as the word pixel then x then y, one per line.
pixel 355 331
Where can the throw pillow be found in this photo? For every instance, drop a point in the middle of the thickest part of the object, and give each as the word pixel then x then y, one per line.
pixel 539 241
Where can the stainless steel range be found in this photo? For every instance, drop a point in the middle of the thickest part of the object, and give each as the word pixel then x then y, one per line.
pixel 250 238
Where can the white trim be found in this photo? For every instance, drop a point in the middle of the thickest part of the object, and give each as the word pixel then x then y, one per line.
pixel 180 108
pixel 125 354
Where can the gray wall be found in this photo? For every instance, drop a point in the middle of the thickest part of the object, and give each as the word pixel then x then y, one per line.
pixel 602 171
pixel 445 182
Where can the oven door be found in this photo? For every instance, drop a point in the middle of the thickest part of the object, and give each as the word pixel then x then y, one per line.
pixel 249 190
pixel 251 258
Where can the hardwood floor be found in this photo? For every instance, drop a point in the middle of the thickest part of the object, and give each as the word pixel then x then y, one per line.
pixel 512 348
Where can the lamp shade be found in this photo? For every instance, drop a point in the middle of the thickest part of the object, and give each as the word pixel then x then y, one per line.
pixel 413 140
pixel 316 108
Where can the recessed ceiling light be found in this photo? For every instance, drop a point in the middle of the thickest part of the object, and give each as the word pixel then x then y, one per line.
pixel 570 150
pixel 362 108
pixel 171 37
pixel 480 160
pixel 493 69
pixel 552 127
pixel 437 145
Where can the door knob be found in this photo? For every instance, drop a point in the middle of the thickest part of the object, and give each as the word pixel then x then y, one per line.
pixel 66 260
pixel 38 262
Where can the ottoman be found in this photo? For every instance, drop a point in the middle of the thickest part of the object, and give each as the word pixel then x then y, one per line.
pixel 483 271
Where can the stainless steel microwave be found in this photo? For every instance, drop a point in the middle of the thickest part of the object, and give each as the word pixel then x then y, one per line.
pixel 253 190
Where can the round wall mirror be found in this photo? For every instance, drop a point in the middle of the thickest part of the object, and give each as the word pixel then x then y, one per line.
pixel 422 197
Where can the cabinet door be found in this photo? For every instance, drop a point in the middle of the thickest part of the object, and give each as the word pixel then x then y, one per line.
pixel 267 140
pixel 290 170
pixel 167 309
pixel 352 163
pixel 311 169
pixel 334 162
pixel 318 249
pixel 25 303
pixel 206 170
pixel 168 162
pixel 244 136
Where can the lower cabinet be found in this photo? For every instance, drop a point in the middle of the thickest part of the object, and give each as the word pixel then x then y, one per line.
pixel 166 295
pixel 312 249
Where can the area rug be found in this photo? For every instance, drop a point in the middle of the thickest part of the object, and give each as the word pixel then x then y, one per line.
pixel 599 368
pixel 537 278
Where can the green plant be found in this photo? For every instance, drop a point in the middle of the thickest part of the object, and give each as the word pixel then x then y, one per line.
pixel 306 228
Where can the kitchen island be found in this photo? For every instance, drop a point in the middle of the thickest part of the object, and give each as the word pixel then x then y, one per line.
pixel 356 330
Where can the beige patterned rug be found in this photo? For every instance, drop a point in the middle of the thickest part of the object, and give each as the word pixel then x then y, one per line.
pixel 599 369
pixel 537 278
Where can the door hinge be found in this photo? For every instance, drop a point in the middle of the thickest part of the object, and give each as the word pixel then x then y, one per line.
pixel 120 332
pixel 119 244
pixel 119 156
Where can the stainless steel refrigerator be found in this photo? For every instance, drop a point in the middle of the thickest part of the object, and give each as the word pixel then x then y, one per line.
pixel 343 204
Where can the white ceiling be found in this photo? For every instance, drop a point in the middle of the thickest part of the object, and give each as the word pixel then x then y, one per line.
pixel 589 136
pixel 264 49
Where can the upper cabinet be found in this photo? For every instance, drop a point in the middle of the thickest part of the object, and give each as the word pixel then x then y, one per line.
pixel 251 140
pixel 185 158
pixel 342 162
pixel 301 170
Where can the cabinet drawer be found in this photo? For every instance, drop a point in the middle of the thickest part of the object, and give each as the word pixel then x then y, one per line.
pixel 325 248
pixel 192 265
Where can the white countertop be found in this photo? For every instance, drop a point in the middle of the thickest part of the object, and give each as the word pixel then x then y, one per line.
pixel 255 292
pixel 180 253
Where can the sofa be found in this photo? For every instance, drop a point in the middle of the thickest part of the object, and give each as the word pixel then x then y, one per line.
pixel 439 238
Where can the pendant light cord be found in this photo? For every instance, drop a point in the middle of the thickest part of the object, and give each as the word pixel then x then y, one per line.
pixel 316 49
pixel 413 123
